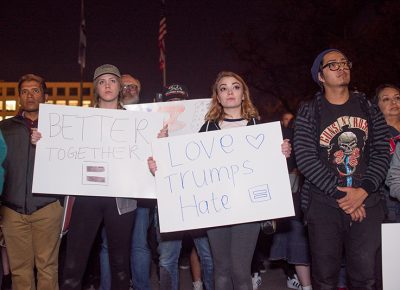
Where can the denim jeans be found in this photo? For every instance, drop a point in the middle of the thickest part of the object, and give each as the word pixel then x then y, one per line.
pixel 105 271
pixel 140 254
pixel 169 251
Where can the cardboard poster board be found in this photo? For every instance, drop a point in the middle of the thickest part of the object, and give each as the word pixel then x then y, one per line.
pixel 222 177
pixel 95 152
pixel 390 255
pixel 182 117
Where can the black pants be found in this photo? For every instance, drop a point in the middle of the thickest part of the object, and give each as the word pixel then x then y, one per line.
pixel 331 231
pixel 88 213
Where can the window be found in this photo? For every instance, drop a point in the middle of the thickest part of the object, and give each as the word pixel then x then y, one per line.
pixel 50 91
pixel 73 102
pixel 73 91
pixel 60 91
pixel 1 105
pixel 8 117
pixel 50 102
pixel 61 102
pixel 11 105
pixel 1 118
pixel 86 91
pixel 86 103
pixel 10 91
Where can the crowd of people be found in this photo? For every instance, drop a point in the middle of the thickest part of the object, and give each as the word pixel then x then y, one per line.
pixel 344 186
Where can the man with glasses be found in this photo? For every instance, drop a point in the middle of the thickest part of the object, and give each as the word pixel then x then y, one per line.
pixel 341 148
pixel 130 89
pixel 31 222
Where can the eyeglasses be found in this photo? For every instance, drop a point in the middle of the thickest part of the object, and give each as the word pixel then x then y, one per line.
pixel 130 87
pixel 388 100
pixel 335 65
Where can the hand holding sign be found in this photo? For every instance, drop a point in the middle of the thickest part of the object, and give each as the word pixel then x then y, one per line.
pixel 100 152
pixel 35 136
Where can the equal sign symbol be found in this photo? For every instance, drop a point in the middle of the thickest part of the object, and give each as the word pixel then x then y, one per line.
pixel 259 193
pixel 94 173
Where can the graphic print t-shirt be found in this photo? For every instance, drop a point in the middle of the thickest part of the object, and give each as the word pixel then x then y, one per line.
pixel 343 135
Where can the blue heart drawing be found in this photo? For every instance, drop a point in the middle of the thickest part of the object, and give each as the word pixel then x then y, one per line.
pixel 255 141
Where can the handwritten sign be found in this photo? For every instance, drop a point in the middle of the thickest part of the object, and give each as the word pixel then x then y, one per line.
pixel 390 255
pixel 222 177
pixel 91 151
pixel 182 117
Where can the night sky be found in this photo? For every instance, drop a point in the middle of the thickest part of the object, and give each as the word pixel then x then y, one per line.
pixel 42 37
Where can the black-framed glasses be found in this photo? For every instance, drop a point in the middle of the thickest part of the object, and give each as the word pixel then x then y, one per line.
pixel 335 65
pixel 130 87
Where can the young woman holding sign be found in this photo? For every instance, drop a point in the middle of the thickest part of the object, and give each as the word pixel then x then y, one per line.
pixel 89 212
pixel 232 246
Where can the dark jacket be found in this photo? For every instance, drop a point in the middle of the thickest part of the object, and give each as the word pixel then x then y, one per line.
pixel 18 166
pixel 213 125
pixel 3 153
pixel 321 178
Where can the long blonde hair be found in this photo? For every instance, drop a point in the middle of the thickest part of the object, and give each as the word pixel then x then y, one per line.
pixel 216 111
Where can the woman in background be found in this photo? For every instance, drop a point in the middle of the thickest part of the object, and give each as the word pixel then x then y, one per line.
pixel 388 99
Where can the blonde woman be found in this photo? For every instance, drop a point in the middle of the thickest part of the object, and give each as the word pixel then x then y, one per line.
pixel 233 246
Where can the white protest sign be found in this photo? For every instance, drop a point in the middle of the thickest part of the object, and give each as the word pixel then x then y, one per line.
pixel 222 177
pixel 182 117
pixel 95 152
pixel 390 255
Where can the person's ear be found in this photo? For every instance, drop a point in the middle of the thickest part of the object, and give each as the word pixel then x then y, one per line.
pixel 321 77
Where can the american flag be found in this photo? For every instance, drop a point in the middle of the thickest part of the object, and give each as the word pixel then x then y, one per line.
pixel 161 36
pixel 82 39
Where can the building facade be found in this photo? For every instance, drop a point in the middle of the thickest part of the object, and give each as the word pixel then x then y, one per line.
pixel 60 93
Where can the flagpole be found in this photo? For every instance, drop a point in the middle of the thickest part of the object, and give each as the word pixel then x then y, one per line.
pixel 161 43
pixel 165 72
pixel 82 51
pixel 81 88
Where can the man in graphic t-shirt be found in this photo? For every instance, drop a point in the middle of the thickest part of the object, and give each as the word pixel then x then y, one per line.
pixel 340 144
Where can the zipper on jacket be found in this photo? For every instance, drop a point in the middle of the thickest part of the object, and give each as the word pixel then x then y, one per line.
pixel 27 174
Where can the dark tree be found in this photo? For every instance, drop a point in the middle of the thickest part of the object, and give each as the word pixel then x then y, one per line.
pixel 284 39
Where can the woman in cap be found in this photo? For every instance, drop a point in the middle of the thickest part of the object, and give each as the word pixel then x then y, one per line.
pixel 90 212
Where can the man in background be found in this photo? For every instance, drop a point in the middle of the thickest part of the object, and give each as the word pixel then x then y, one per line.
pixel 130 89
pixel 31 222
